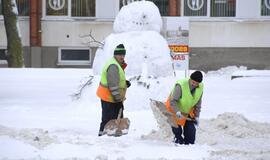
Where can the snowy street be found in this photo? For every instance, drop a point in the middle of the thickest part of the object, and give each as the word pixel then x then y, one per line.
pixel 152 44
pixel 39 119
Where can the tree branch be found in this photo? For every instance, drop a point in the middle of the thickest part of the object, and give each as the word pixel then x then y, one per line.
pixel 77 95
pixel 92 39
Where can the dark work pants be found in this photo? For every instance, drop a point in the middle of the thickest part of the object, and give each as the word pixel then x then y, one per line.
pixel 189 132
pixel 109 111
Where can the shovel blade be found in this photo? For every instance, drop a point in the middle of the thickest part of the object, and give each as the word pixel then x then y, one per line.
pixel 117 127
pixel 159 109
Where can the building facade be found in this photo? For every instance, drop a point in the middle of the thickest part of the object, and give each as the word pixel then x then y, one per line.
pixel 57 33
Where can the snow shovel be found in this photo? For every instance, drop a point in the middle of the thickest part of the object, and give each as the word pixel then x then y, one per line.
pixel 161 113
pixel 117 127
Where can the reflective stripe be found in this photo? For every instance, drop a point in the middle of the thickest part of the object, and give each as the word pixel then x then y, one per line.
pixel 114 88
pixel 115 93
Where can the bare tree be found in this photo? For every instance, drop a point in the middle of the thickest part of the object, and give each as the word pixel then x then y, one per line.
pixel 92 40
pixel 14 44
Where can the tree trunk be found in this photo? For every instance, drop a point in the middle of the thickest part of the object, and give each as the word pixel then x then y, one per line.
pixel 14 44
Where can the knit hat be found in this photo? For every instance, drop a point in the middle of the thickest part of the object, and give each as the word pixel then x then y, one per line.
pixel 120 50
pixel 197 76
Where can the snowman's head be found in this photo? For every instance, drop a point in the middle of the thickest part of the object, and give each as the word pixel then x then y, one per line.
pixel 138 16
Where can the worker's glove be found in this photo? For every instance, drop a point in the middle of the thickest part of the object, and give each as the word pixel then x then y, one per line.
pixel 196 121
pixel 179 115
pixel 128 83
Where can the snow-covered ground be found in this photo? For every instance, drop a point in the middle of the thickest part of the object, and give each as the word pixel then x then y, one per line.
pixel 39 119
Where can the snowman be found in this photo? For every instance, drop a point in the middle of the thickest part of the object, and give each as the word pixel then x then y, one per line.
pixel 138 27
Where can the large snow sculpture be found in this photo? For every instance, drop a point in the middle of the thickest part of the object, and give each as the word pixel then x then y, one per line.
pixel 137 26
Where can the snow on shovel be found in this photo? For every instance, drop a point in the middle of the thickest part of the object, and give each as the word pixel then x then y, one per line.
pixel 161 114
pixel 117 127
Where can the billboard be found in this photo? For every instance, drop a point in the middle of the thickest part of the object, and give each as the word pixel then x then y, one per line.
pixel 176 32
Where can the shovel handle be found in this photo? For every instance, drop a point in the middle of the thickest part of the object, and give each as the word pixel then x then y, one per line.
pixel 120 113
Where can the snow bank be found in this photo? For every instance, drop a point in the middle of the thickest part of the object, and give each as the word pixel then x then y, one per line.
pixel 226 71
pixel 225 125
pixel 251 73
pixel 235 137
pixel 233 125
pixel 38 138
pixel 231 134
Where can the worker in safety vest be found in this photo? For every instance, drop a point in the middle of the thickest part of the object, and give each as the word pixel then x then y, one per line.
pixel 184 103
pixel 112 87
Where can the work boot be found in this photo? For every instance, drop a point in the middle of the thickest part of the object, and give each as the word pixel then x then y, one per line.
pixel 178 141
pixel 100 133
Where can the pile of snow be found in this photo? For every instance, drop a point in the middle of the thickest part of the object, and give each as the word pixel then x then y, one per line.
pixel 137 26
pixel 230 134
pixel 238 126
pixel 235 137
pixel 226 71
pixel 38 138
pixel 251 73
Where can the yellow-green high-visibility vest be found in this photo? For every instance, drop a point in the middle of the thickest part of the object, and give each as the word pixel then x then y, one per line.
pixel 103 91
pixel 187 101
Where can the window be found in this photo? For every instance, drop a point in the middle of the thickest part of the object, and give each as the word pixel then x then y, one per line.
pixel 265 7
pixel 223 8
pixel 195 8
pixel 74 56
pixel 57 8
pixel 71 8
pixel 83 8
pixel 163 6
pixel 22 5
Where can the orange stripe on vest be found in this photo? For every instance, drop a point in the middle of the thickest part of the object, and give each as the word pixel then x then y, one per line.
pixel 181 121
pixel 104 93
